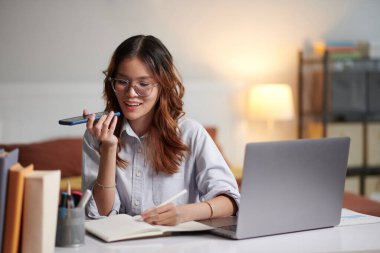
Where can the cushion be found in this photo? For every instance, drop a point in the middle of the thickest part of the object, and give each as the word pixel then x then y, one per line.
pixel 361 204
pixel 63 154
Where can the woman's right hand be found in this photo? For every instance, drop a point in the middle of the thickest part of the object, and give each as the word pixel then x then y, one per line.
pixel 103 129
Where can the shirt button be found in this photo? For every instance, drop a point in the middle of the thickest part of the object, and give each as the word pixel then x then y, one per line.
pixel 137 203
pixel 139 150
pixel 138 173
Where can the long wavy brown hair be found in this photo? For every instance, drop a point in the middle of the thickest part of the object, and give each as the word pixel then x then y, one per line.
pixel 164 147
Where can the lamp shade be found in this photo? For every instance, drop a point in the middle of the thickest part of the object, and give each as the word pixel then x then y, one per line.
pixel 271 102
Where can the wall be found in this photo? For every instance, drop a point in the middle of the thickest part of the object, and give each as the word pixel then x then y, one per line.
pixel 52 54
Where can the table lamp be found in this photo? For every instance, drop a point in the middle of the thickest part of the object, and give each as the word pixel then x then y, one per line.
pixel 271 102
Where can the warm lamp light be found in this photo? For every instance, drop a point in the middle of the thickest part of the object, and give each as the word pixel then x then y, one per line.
pixel 270 102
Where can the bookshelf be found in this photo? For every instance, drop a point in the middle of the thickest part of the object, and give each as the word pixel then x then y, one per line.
pixel 340 96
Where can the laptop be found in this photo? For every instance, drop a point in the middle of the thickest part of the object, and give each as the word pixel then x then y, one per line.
pixel 288 186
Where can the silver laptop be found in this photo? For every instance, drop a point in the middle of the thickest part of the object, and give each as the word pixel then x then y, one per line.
pixel 288 186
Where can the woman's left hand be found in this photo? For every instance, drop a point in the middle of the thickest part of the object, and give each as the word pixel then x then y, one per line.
pixel 169 215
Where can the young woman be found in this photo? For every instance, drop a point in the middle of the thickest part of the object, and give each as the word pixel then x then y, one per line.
pixel 137 161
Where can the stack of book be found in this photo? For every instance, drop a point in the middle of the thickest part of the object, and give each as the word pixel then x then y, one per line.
pixel 28 206
pixel 342 50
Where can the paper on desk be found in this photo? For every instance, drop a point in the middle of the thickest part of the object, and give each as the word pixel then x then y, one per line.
pixel 349 218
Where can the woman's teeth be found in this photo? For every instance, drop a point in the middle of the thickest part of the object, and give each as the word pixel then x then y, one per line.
pixel 134 104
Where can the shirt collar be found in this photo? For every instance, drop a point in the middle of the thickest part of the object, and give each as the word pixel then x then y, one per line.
pixel 129 131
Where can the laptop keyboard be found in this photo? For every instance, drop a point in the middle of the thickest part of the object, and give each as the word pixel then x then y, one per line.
pixel 229 228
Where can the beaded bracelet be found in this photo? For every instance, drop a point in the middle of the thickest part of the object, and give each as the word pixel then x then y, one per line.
pixel 212 209
pixel 103 186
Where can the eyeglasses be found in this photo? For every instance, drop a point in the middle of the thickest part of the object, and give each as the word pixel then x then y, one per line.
pixel 120 86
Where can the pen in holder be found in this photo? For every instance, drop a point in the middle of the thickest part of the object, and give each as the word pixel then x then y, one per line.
pixel 70 227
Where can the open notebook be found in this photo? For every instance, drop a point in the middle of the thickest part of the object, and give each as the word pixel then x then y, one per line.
pixel 124 227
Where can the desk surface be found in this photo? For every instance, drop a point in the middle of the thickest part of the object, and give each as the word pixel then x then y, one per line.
pixel 365 238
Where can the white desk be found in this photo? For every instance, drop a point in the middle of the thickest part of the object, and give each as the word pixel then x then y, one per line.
pixel 338 239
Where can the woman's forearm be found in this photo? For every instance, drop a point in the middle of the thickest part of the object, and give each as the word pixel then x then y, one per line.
pixel 220 206
pixel 105 187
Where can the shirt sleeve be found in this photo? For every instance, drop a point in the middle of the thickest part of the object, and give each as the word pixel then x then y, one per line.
pixel 214 177
pixel 90 167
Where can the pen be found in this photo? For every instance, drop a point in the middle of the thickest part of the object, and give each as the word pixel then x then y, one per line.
pixel 171 199
pixel 83 201
pixel 76 195
pixel 70 200
pixel 63 199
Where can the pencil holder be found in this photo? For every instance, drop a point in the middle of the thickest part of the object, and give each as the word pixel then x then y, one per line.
pixel 70 227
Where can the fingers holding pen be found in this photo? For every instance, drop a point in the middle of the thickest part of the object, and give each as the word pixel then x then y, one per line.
pixel 149 215
pixel 165 215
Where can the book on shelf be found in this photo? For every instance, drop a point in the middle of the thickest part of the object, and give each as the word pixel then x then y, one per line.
pixel 13 214
pixel 6 161
pixel 354 55
pixel 40 211
pixel 125 227
pixel 340 43
pixel 342 49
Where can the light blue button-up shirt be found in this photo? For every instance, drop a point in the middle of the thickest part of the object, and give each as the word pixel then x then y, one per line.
pixel 203 172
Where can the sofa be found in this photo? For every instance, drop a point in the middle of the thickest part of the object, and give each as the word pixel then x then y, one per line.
pixel 65 154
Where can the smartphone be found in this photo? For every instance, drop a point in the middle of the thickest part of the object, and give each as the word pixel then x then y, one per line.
pixel 82 119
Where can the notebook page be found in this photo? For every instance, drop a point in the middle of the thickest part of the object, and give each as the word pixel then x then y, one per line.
pixel 186 226
pixel 120 227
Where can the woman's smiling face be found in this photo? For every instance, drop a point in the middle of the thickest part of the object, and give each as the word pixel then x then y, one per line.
pixel 137 109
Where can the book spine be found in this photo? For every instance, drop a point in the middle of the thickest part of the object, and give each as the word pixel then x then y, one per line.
pixel 40 211
pixel 15 196
pixel 5 163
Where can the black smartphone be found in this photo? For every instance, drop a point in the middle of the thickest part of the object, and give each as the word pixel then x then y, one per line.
pixel 82 119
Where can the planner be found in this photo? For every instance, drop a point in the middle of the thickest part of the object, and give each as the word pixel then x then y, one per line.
pixel 124 227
